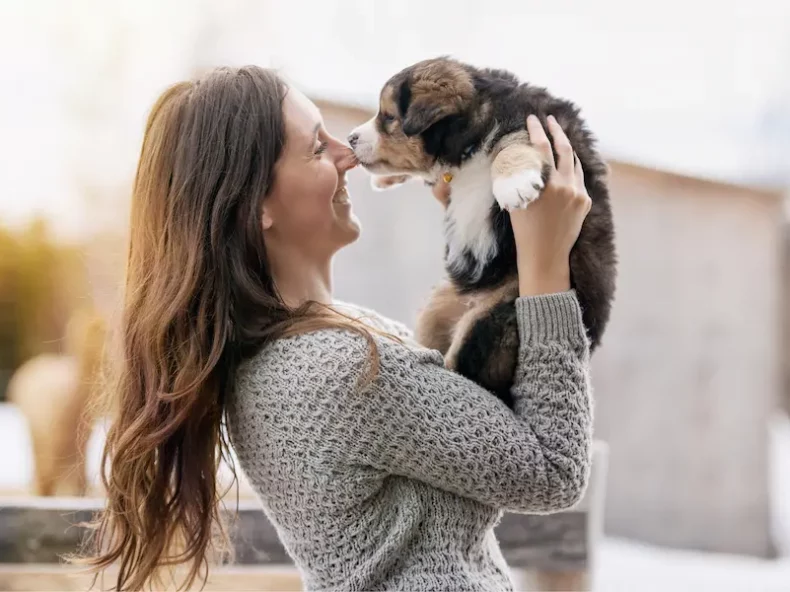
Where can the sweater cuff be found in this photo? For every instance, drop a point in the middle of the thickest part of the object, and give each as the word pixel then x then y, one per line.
pixel 550 317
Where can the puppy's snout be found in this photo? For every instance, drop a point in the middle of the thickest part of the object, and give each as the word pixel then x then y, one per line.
pixel 353 138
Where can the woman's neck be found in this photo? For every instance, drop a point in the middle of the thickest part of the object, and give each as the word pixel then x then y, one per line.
pixel 299 281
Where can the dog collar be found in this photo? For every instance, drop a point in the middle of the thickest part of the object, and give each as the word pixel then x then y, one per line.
pixel 447 177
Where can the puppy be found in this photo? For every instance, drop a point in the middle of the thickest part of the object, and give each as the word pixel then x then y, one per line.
pixel 441 118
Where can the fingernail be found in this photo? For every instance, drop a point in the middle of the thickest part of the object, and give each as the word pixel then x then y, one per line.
pixel 551 118
pixel 532 117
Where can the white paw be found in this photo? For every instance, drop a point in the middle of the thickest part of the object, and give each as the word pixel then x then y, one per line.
pixel 519 190
pixel 384 182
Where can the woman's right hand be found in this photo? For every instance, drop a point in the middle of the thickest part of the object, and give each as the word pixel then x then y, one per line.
pixel 547 229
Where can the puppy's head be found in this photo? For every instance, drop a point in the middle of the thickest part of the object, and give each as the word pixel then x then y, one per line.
pixel 418 107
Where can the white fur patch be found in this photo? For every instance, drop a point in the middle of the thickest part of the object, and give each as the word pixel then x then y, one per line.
pixel 367 142
pixel 519 190
pixel 384 182
pixel 468 215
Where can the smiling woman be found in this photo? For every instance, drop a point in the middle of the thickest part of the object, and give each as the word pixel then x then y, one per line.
pixel 379 467
pixel 308 204
pixel 226 255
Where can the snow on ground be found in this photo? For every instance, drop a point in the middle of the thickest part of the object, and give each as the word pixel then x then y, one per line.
pixel 621 565
pixel 780 483
pixel 630 567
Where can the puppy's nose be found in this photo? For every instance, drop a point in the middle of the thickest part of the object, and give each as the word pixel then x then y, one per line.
pixel 353 139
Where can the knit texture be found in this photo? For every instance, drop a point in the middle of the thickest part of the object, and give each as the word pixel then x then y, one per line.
pixel 399 485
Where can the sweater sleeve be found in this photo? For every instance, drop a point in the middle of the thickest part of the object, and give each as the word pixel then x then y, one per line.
pixel 422 421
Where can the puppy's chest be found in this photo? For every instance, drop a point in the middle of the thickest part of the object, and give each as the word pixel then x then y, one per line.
pixel 468 229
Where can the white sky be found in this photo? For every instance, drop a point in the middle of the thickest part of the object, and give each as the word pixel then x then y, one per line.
pixel 684 86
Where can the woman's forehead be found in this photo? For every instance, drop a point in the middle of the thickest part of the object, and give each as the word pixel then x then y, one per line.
pixel 301 114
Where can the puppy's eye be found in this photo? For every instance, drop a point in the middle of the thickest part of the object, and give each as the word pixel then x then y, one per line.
pixel 387 118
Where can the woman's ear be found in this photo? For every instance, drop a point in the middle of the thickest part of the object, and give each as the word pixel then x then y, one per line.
pixel 266 218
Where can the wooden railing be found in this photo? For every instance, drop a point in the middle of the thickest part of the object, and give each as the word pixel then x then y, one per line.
pixel 545 552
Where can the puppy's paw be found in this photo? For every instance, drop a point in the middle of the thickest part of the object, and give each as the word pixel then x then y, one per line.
pixel 384 182
pixel 519 190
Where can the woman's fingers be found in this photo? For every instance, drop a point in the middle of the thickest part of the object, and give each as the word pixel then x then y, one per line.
pixel 563 148
pixel 539 139
pixel 579 173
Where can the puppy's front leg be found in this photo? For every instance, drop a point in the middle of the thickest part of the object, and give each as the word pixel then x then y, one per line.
pixel 384 182
pixel 435 322
pixel 518 171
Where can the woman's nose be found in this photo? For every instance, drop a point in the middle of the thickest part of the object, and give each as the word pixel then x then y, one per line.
pixel 346 159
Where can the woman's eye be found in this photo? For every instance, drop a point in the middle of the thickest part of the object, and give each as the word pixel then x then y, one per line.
pixel 321 148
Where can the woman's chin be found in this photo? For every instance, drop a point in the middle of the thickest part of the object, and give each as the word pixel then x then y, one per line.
pixel 348 225
pixel 347 231
pixel 354 228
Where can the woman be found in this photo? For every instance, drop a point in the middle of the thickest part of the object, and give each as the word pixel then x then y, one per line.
pixel 378 467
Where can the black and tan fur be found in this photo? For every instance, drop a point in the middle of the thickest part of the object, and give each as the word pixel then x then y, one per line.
pixel 442 116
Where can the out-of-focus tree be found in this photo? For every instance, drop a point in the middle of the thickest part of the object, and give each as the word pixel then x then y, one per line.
pixel 42 282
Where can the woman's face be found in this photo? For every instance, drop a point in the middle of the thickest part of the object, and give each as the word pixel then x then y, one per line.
pixel 308 207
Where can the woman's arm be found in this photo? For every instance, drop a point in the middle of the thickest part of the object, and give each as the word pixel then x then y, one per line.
pixel 421 421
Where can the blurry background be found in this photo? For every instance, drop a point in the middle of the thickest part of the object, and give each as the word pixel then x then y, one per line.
pixel 691 103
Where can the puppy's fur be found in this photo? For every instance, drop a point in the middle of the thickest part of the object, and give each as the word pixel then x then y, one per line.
pixel 442 116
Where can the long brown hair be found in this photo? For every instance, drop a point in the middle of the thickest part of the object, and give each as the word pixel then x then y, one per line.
pixel 199 298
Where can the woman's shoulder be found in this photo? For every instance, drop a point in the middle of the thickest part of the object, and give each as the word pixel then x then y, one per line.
pixel 374 319
pixel 290 373
pixel 289 358
pixel 311 361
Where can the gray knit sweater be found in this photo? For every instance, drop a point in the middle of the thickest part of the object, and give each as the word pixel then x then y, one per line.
pixel 399 485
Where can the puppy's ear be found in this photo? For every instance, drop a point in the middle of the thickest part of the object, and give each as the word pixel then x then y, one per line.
pixel 421 115
pixel 436 89
pixel 384 182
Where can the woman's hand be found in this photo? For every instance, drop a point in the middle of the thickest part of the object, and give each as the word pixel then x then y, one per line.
pixel 547 229
pixel 441 191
